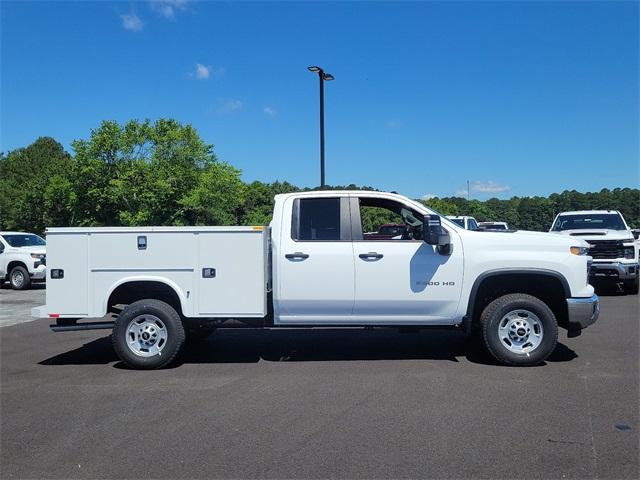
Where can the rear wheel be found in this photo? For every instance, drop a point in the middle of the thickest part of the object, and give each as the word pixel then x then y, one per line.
pixel 519 329
pixel 631 286
pixel 19 278
pixel 148 334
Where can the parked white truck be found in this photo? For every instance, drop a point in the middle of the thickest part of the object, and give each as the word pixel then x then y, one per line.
pixel 314 267
pixel 23 259
pixel 612 244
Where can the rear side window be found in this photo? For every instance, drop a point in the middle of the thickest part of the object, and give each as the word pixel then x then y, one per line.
pixel 318 219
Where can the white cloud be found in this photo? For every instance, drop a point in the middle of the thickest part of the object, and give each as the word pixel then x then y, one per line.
pixel 230 105
pixel 488 187
pixel 429 196
pixel 272 112
pixel 168 8
pixel 132 22
pixel 202 71
pixel 460 193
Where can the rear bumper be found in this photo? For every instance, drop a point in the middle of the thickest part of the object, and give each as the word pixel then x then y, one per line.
pixel 583 311
pixel 619 270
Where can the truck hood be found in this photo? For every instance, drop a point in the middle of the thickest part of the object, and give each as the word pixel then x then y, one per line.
pixel 39 249
pixel 597 234
pixel 526 237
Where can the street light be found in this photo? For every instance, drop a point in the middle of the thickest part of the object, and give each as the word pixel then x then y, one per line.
pixel 323 77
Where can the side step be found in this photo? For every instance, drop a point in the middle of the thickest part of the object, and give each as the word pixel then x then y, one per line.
pixel 82 326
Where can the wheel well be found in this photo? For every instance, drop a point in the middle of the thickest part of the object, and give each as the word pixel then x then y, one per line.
pixel 130 292
pixel 548 288
pixel 15 263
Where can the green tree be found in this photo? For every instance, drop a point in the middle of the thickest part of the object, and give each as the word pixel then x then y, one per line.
pixel 25 177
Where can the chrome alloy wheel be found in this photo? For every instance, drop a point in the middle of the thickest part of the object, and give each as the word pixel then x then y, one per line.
pixel 146 335
pixel 520 331
pixel 17 278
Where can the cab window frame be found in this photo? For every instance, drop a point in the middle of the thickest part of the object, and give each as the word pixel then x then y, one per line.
pixel 344 219
pixel 356 220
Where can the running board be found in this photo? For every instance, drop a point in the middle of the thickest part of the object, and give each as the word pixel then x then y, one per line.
pixel 82 326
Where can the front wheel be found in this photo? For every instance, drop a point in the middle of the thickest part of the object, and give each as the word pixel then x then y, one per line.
pixel 519 329
pixel 19 278
pixel 148 334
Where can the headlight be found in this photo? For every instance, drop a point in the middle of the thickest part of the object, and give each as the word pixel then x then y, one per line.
pixel 629 252
pixel 37 256
pixel 579 250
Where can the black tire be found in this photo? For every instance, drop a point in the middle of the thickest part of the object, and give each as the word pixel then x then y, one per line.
pixel 494 315
pixel 143 311
pixel 19 278
pixel 631 286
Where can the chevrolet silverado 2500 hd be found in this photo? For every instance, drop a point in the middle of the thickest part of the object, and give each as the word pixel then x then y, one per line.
pixel 612 244
pixel 314 267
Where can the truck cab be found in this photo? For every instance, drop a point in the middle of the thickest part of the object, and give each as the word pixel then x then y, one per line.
pixel 612 244
pixel 315 266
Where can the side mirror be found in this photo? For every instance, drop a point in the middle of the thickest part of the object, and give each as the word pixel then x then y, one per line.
pixel 636 233
pixel 434 234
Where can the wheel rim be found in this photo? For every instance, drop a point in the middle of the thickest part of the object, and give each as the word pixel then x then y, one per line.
pixel 520 331
pixel 146 335
pixel 17 278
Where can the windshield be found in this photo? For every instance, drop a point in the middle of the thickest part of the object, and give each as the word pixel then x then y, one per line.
pixel 24 240
pixel 610 221
pixel 458 221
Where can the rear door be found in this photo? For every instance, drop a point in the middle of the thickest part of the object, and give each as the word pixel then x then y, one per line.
pixel 315 262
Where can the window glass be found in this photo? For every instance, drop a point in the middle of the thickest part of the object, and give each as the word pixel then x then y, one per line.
pixel 472 224
pixel 319 219
pixel 611 221
pixel 24 240
pixel 458 221
pixel 384 219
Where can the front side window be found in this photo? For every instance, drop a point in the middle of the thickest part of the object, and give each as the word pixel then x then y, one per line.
pixel 384 219
pixel 24 240
pixel 318 219
pixel 610 221
pixel 473 224
pixel 458 221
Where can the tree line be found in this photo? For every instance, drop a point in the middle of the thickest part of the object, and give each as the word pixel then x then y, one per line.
pixel 163 173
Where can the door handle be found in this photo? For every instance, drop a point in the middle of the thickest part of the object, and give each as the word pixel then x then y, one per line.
pixel 300 255
pixel 371 256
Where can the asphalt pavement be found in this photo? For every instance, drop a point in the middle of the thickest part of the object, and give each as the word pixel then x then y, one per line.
pixel 318 404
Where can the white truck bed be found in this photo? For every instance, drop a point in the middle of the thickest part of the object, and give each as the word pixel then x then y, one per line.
pixel 96 260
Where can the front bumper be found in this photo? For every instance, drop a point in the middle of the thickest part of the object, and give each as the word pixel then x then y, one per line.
pixel 619 270
pixel 39 273
pixel 582 312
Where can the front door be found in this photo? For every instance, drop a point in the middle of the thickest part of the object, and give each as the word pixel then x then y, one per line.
pixel 399 277
pixel 315 263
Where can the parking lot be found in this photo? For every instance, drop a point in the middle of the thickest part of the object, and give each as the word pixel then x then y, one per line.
pixel 321 404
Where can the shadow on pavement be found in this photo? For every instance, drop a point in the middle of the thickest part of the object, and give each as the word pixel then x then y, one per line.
pixel 251 346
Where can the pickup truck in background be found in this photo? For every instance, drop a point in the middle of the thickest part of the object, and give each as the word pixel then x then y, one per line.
pixel 23 259
pixel 612 244
pixel 468 223
pixel 314 267
pixel 493 226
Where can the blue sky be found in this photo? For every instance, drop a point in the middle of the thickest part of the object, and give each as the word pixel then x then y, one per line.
pixel 519 98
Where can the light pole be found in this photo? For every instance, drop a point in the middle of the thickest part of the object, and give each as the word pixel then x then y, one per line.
pixel 328 77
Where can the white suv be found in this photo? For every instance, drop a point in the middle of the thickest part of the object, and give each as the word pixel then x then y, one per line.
pixel 23 259
pixel 613 247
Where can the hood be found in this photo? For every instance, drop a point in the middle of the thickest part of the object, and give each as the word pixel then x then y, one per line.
pixel 597 234
pixel 39 249
pixel 526 237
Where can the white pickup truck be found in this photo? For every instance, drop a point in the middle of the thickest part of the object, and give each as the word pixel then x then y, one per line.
pixel 612 244
pixel 23 259
pixel 312 266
